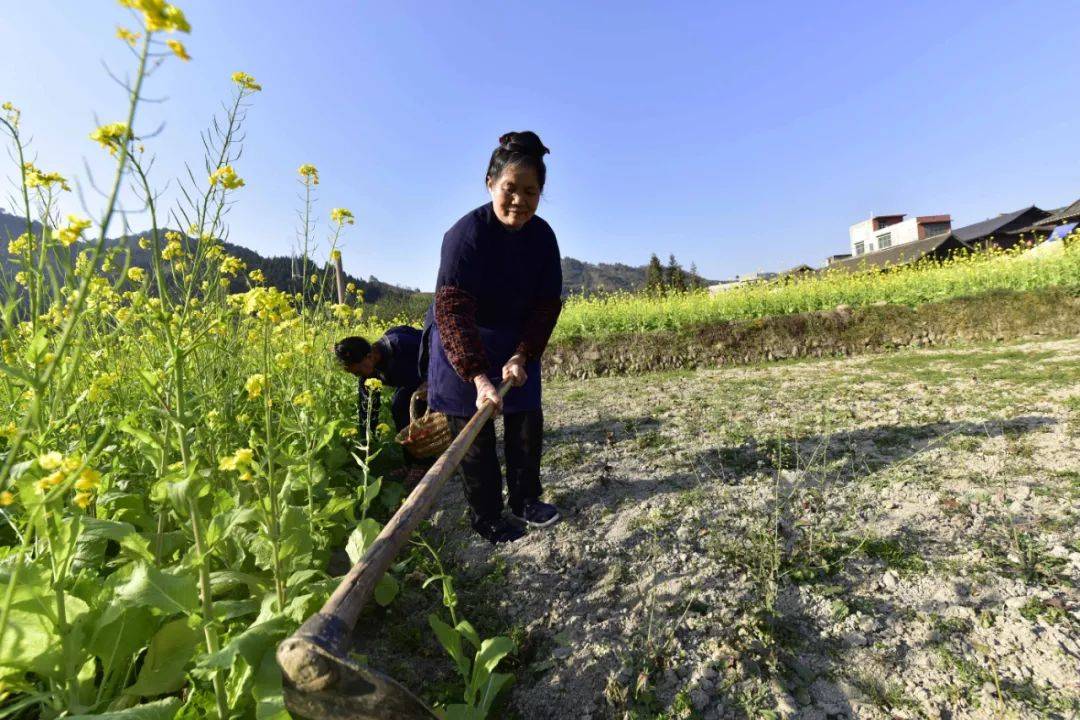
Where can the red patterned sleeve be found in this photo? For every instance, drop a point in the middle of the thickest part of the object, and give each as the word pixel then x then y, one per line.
pixel 538 328
pixel 455 317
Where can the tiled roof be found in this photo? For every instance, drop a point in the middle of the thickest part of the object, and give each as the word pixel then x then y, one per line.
pixel 998 224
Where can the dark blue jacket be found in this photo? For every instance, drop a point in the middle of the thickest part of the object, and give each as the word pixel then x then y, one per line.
pixel 507 273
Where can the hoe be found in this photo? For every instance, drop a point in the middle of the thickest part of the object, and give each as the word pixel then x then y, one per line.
pixel 320 681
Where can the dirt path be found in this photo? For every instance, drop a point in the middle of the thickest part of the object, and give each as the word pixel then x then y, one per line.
pixel 878 537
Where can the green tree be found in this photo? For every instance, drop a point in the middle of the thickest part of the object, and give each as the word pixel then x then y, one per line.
pixel 676 276
pixel 695 279
pixel 654 275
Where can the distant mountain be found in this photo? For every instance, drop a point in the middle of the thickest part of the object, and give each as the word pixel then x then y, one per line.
pixel 281 272
pixel 284 273
pixel 585 277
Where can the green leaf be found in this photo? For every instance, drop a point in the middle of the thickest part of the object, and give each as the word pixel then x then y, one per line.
pixel 150 587
pixel 31 638
pixel 250 644
pixel 463 712
pixel 361 538
pixel 129 426
pixel 231 609
pixel 159 710
pixel 368 493
pixel 170 651
pixel 18 374
pixel 269 703
pixel 495 683
pixel 386 590
pixel 391 495
pixel 121 632
pixel 222 525
pixel 469 633
pixel 492 651
pixel 36 348
pixel 451 642
pixel 93 541
pixel 224 580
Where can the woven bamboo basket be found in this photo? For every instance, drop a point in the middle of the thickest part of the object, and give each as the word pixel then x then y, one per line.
pixel 428 435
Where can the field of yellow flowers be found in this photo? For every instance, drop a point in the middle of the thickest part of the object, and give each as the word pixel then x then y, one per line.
pixel 962 275
pixel 177 462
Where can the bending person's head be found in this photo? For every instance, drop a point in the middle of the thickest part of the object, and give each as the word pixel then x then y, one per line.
pixel 354 354
pixel 515 177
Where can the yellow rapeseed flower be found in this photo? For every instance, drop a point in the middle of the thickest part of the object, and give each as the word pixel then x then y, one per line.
pixel 256 276
pixel 239 460
pixel 6 498
pixel 351 288
pixel 159 15
pixel 83 499
pixel 304 399
pixel 246 82
pixel 144 242
pixel 227 177
pixel 136 274
pixel 69 235
pixel 382 429
pixel 342 216
pixel 178 49
pixel 373 384
pixel 309 173
pixel 112 137
pixel 55 478
pixel 231 265
pixel 38 178
pixel 89 479
pixel 255 385
pixel 172 250
pixel 127 35
pixel 50 460
pixel 348 432
pixel 342 312
pixel 20 244
pixel 11 113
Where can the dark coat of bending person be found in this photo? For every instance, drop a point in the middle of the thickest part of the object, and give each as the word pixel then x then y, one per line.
pixel 497 299
pixel 398 359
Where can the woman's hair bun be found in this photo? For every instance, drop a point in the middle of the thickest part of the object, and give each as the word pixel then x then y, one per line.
pixel 526 142
pixel 519 149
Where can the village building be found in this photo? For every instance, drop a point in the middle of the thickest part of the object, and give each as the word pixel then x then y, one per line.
pixel 1051 224
pixel 1001 231
pixel 882 232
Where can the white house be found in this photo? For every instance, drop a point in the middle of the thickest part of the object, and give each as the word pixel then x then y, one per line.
pixel 885 231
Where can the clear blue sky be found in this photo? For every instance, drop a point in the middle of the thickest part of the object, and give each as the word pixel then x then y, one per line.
pixel 739 135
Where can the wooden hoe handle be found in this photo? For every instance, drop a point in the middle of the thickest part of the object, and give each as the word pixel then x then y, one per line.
pixel 311 658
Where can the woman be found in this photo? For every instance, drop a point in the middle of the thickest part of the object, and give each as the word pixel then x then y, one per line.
pixel 497 298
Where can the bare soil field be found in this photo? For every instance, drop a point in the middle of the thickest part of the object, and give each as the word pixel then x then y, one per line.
pixel 886 536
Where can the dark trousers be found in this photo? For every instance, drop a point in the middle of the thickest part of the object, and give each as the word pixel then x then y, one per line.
pixel 480 471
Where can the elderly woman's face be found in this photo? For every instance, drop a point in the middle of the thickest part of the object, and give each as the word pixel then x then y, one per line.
pixel 515 195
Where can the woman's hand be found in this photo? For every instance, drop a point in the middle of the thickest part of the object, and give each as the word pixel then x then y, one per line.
pixel 486 391
pixel 514 370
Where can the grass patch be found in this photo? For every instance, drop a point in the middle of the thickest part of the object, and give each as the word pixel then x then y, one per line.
pixel 894 554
